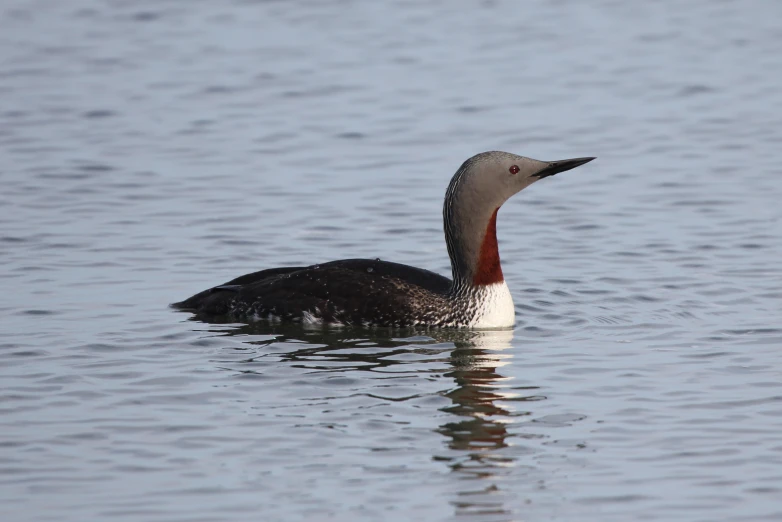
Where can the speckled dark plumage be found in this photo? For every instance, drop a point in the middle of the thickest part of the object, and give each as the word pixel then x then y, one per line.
pixel 351 291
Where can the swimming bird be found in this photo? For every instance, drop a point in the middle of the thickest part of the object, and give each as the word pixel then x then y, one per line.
pixel 368 292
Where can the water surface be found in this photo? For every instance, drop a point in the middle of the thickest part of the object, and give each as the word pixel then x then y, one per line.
pixel 151 149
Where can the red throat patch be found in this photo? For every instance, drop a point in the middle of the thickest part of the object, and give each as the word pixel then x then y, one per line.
pixel 489 270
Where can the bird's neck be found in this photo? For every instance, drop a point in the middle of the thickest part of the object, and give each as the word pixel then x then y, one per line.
pixel 472 247
pixel 488 270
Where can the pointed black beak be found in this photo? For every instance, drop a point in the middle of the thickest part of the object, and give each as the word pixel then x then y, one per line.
pixel 555 167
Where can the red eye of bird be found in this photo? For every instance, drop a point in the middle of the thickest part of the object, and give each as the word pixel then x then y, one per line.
pixel 514 169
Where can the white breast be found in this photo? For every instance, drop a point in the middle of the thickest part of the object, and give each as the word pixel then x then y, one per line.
pixel 494 307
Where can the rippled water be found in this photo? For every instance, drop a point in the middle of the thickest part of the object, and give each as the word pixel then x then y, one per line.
pixel 151 149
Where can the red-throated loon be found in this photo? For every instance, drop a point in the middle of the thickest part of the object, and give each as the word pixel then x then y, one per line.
pixel 378 293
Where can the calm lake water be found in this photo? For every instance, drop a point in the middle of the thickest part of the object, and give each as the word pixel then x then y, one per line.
pixel 151 149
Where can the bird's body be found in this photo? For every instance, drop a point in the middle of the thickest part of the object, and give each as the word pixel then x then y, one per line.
pixel 379 293
pixel 356 292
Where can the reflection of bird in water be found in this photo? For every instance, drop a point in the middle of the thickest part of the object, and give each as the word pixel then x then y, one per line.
pixel 480 432
pixel 478 385
pixel 474 358
pixel 482 398
pixel 345 345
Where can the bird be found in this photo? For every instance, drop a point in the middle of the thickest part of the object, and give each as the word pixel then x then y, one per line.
pixel 375 293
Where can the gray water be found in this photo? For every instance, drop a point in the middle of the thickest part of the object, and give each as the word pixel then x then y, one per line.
pixel 151 149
